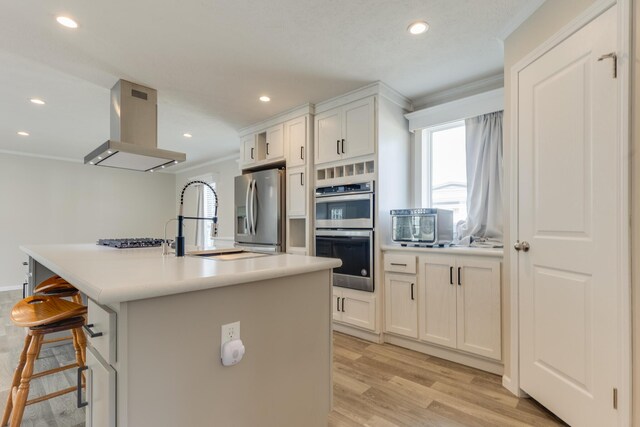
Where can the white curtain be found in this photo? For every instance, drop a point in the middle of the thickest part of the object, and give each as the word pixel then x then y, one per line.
pixel 483 226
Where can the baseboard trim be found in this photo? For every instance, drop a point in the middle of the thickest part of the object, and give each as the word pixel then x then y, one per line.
pixel 508 384
pixel 490 366
pixel 358 333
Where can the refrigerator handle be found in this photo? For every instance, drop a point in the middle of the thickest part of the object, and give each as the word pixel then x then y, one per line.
pixel 254 210
pixel 248 207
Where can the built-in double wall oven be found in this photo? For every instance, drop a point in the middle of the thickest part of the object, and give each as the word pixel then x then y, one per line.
pixel 344 229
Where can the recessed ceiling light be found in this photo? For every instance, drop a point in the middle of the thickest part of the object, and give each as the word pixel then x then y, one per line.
pixel 67 22
pixel 23 133
pixel 91 163
pixel 418 27
pixel 37 101
pixel 109 152
pixel 150 170
pixel 264 98
pixel 187 135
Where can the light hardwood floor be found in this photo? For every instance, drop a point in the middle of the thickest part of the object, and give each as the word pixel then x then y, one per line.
pixel 385 386
pixel 374 385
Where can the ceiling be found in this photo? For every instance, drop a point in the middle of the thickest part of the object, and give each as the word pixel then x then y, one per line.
pixel 210 60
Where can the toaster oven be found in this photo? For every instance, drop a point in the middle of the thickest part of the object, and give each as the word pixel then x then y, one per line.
pixel 422 227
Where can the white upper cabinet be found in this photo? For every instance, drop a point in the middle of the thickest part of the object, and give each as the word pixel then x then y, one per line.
pixel 248 146
pixel 295 132
pixel 274 144
pixel 328 132
pixel 297 192
pixel 358 128
pixel 345 132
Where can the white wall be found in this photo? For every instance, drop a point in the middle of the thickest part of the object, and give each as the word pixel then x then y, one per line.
pixel 224 171
pixel 53 201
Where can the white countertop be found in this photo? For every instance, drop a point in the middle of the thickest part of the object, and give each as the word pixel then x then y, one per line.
pixel 451 250
pixel 109 275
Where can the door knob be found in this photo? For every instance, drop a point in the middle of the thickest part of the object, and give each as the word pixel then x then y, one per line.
pixel 521 246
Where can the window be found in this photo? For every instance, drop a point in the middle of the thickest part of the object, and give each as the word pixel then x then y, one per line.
pixel 444 174
pixel 209 210
pixel 205 209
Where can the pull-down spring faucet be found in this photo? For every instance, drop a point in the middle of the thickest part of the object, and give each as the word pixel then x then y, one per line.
pixel 181 217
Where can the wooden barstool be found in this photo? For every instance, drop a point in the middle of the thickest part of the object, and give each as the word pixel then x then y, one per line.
pixel 58 287
pixel 42 314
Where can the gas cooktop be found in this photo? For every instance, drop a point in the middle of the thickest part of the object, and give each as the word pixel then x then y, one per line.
pixel 131 242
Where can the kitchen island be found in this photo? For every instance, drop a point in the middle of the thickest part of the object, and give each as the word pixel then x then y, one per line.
pixel 158 358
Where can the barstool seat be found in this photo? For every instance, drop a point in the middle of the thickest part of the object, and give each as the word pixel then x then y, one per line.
pixel 41 314
pixel 41 310
pixel 59 287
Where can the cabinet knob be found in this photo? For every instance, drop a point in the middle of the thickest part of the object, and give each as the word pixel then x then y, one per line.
pixel 521 246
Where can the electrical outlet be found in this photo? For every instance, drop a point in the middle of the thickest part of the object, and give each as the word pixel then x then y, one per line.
pixel 230 332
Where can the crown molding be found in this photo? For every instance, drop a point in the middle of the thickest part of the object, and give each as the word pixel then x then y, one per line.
pixel 377 88
pixel 462 91
pixel 277 119
pixel 208 163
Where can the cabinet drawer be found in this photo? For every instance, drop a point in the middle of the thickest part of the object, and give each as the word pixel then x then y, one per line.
pixel 400 263
pixel 102 324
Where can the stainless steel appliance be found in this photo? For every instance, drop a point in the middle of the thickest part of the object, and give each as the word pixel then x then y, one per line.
pixel 345 206
pixel 133 142
pixel 344 229
pixel 422 227
pixel 259 207
pixel 131 242
pixel 355 249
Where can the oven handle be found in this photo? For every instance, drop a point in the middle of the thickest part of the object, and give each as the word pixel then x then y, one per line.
pixel 344 198
pixel 344 233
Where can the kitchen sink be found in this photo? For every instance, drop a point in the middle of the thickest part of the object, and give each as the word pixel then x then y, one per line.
pixel 226 254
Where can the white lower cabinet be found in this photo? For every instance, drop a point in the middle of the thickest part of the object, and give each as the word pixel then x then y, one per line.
pixel 355 308
pixel 100 391
pixel 460 303
pixel 401 304
pixel 100 374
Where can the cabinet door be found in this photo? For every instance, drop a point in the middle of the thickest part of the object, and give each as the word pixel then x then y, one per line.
pixel 401 305
pixel 358 128
pixel 328 136
pixel 297 196
pixel 296 137
pixel 358 309
pixel 478 287
pixel 101 392
pixel 437 295
pixel 274 147
pixel 249 149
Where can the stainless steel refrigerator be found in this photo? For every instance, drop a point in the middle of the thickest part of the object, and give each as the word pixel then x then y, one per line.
pixel 259 210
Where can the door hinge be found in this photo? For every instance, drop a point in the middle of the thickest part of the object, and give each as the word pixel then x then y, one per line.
pixel 613 56
pixel 615 398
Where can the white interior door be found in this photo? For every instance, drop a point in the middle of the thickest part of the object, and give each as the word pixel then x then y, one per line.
pixel 569 214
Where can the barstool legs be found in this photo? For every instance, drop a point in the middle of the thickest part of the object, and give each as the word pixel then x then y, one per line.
pixel 25 378
pixel 16 380
pixel 79 343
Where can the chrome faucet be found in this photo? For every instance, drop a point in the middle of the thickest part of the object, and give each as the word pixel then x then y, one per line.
pixel 181 217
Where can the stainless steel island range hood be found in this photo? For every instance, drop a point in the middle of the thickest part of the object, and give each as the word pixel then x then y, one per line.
pixel 133 142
